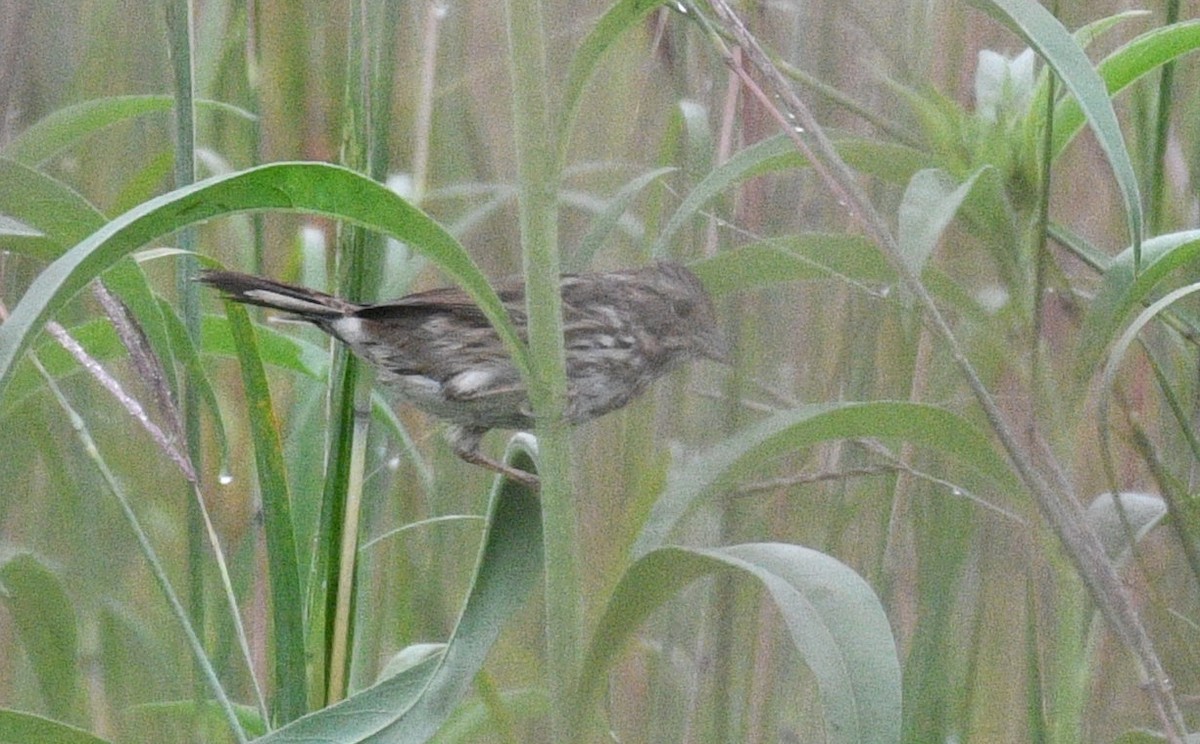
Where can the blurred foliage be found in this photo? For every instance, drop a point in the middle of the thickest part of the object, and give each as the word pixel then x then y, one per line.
pixel 841 464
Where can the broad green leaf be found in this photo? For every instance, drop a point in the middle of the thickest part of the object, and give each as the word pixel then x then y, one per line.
pixel 930 202
pixel 68 126
pixel 834 619
pixel 1121 291
pixel 23 728
pixel 1084 35
pixel 1054 43
pixel 412 705
pixel 65 218
pixel 723 464
pixel 892 163
pixel 43 617
pixel 316 188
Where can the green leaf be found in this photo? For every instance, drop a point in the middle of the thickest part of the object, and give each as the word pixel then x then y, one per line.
pixel 787 431
pixel 65 218
pixel 316 188
pixel 47 204
pixel 607 220
pixel 618 19
pixel 283 565
pixel 1054 43
pixel 412 705
pixel 930 202
pixel 770 155
pixel 203 719
pixel 832 616
pixel 890 162
pixel 70 125
pixel 1121 291
pixel 44 619
pixel 22 728
pixel 1124 67
pixel 794 258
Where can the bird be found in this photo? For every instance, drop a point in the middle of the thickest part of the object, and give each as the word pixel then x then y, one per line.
pixel 622 330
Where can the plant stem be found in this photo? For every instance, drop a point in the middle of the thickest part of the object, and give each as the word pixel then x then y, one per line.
pixel 538 181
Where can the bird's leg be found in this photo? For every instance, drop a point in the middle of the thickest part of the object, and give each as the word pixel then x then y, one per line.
pixel 465 442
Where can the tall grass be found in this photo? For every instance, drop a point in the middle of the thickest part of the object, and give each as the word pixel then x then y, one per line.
pixel 892 519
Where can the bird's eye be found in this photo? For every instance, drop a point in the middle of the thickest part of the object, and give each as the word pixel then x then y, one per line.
pixel 682 308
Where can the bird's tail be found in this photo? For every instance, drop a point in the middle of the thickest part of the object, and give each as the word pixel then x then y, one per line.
pixel 306 304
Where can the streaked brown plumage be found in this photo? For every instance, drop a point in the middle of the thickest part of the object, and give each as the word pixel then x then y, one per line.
pixel 622 330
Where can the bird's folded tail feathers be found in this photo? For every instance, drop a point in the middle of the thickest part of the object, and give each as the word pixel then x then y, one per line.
pixel 255 290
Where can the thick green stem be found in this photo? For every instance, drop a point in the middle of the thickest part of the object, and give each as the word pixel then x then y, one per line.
pixel 539 231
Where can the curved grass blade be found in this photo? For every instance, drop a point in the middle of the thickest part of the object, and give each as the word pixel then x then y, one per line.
pixel 788 431
pixel 1123 288
pixel 795 258
pixel 770 155
pixel 315 188
pixel 1117 355
pixel 616 21
pixel 47 204
pixel 69 125
pixel 283 563
pixel 412 705
pixel 609 217
pixel 65 218
pixel 832 616
pixel 1124 67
